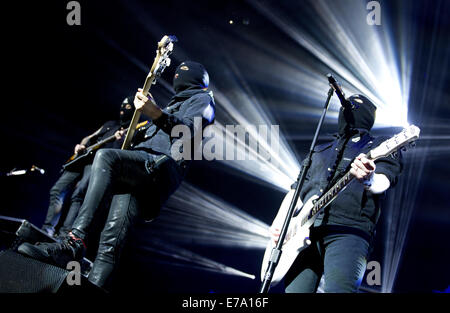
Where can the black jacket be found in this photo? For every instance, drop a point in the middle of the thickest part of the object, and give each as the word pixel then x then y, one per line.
pixel 181 110
pixel 157 141
pixel 354 207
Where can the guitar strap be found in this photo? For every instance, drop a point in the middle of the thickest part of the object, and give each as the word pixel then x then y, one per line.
pixel 335 174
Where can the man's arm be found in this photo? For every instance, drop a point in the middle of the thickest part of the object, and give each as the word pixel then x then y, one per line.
pixel 377 183
pixel 166 121
pixel 147 105
pixel 82 145
pixel 376 179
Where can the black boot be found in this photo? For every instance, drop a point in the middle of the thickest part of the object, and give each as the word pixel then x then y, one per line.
pixel 59 254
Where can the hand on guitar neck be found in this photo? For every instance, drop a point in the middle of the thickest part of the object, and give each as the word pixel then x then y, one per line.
pixel 79 148
pixel 363 169
pixel 147 105
pixel 119 134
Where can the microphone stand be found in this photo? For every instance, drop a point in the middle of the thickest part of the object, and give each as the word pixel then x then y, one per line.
pixel 276 251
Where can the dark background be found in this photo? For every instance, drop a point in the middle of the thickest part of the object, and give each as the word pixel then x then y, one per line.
pixel 61 82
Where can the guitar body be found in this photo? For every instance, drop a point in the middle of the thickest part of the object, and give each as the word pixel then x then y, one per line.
pixel 78 161
pixel 297 238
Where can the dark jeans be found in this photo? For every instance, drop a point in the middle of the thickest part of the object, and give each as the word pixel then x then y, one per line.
pixel 341 258
pixel 67 182
pixel 129 179
pixel 64 185
pixel 76 200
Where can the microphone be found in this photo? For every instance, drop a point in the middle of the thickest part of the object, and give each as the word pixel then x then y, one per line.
pixel 35 168
pixel 333 83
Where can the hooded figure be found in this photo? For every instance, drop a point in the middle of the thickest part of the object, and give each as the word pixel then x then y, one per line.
pixel 361 115
pixel 190 79
pixel 126 111
pixel 190 75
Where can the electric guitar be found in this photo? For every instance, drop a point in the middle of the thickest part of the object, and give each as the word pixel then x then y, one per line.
pixel 78 160
pixel 162 60
pixel 297 237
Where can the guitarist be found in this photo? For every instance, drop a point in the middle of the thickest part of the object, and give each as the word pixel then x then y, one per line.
pixel 342 233
pixel 139 180
pixel 76 179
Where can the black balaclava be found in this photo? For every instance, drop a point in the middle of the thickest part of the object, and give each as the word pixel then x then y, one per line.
pixel 361 116
pixel 126 114
pixel 190 75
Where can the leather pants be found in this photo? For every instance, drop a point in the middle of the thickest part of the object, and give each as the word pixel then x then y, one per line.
pixel 135 187
pixel 122 216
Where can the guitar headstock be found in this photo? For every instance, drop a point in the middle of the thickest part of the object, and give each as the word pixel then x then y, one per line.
pixel 406 137
pixel 162 60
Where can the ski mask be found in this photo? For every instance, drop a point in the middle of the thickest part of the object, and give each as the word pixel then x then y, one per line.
pixel 362 115
pixel 190 75
pixel 126 111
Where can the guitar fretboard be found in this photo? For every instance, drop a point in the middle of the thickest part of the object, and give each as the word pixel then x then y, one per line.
pixel 331 194
pixel 102 142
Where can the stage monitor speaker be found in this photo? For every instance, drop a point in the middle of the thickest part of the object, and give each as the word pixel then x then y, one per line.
pixel 14 231
pixel 20 274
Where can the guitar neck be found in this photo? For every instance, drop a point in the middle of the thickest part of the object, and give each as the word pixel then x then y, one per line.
pixel 333 192
pixel 101 143
pixel 137 114
pixel 147 84
pixel 104 141
pixel 165 47
pixel 127 141
pixel 112 138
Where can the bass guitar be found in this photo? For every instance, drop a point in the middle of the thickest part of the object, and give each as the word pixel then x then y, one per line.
pixel 162 60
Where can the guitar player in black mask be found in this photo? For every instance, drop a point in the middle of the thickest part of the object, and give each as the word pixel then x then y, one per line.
pixel 139 180
pixel 74 180
pixel 343 231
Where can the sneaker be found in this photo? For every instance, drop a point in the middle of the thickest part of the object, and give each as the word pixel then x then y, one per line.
pixel 59 254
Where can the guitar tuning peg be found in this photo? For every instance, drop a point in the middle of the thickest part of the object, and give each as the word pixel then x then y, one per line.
pixel 167 61
pixel 412 144
pixel 404 149
pixel 170 46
